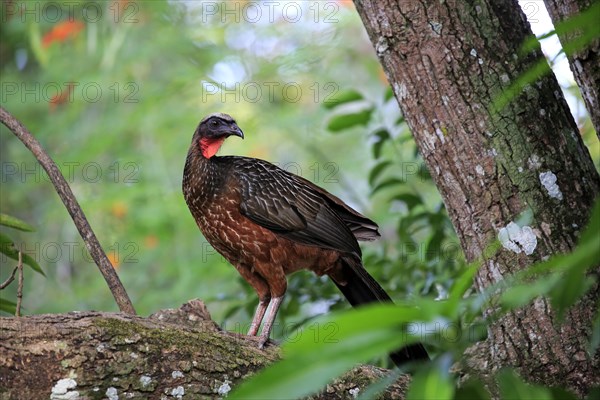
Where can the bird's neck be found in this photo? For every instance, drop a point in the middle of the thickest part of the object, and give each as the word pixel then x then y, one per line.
pixel 202 177
pixel 209 147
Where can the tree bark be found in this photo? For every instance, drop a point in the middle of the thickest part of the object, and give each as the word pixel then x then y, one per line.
pixel 584 63
pixel 171 354
pixel 449 63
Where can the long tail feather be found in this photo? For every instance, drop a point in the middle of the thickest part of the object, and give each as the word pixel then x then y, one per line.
pixel 361 288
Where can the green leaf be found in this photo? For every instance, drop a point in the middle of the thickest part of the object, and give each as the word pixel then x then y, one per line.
pixel 519 295
pixel 516 88
pixel 434 245
pixel 431 383
pixel 344 121
pixel 562 394
pixel 16 223
pixel 424 173
pixel 375 390
pixel 594 393
pixel 472 390
pixel 348 338
pixel 411 200
pixel 570 288
pixel 343 97
pixel 35 41
pixel 576 33
pixel 7 306
pixel 377 170
pixel 382 136
pixel 513 387
pixel 590 233
pixel 463 283
pixel 7 247
pixel 387 183
pixel 389 93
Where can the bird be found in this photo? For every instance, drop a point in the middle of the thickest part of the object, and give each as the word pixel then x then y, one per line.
pixel 269 223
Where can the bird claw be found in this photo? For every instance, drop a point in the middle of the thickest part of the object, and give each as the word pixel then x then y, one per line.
pixel 262 341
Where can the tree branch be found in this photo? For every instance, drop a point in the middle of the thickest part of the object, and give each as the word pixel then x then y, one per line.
pixel 74 209
pixel 171 354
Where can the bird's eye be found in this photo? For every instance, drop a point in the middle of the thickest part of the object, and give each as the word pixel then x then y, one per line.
pixel 214 123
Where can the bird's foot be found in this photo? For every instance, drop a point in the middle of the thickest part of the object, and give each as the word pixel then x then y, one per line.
pixel 262 340
pixel 265 341
pixel 253 330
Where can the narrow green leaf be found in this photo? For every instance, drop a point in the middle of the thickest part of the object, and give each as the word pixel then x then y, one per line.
pixel 312 361
pixel 343 97
pixel 516 88
pixel 7 247
pixel 562 394
pixel 377 170
pixel 519 295
pixel 387 183
pixel 513 387
pixel 8 306
pixel 35 41
pixel 594 393
pixel 375 390
pixel 434 245
pixel 431 383
pixel 472 390
pixel 382 136
pixel 344 121
pixel 575 33
pixel 16 223
pixel 570 288
pixel 411 200
pixel 463 283
pixel 389 93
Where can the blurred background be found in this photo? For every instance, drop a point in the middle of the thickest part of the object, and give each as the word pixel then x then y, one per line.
pixel 114 90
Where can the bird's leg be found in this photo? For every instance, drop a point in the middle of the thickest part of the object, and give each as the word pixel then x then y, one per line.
pixel 263 303
pixel 266 331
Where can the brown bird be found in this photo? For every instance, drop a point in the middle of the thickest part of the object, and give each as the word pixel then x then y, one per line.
pixel 269 223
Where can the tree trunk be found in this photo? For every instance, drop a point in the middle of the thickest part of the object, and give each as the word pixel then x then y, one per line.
pixel 585 63
pixel 449 63
pixel 171 354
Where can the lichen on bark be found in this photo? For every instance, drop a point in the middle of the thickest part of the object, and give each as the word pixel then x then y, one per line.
pixel 172 353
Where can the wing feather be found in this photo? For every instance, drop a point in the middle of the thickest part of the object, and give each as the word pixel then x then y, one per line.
pixel 297 209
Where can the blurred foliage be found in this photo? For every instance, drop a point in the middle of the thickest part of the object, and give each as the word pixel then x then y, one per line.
pixel 117 111
pixel 7 245
pixel 449 327
pixel 8 249
pixel 114 90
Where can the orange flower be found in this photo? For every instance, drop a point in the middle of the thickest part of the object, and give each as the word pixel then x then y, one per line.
pixel 119 209
pixel 150 241
pixel 61 98
pixel 382 76
pixel 346 3
pixel 62 31
pixel 113 258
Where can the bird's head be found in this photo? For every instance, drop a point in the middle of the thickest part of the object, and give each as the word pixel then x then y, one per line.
pixel 213 130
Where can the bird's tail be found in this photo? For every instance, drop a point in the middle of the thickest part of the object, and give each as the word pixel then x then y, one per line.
pixel 361 288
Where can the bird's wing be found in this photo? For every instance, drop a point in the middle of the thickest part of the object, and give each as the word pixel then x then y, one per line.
pixel 286 205
pixel 362 227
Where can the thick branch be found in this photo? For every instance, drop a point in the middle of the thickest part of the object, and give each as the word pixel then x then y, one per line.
pixel 170 354
pixel 67 197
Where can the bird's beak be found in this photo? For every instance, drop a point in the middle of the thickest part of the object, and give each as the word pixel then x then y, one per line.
pixel 236 131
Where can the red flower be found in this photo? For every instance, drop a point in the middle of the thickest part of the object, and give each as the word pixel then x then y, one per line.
pixel 62 31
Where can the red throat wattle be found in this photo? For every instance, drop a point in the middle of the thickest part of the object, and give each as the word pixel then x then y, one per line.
pixel 209 147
